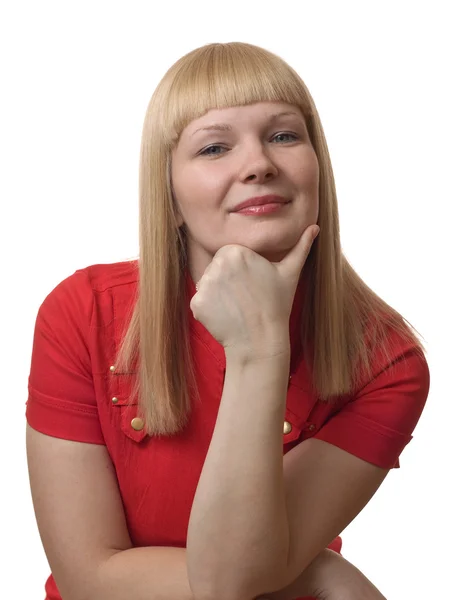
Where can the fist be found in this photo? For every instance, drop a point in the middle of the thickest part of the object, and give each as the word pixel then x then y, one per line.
pixel 244 300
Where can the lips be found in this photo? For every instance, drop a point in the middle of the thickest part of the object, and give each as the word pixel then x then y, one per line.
pixel 260 200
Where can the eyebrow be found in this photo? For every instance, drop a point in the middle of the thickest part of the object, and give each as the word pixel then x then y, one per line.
pixel 227 127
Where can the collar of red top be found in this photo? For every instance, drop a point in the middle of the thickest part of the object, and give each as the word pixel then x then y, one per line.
pixel 217 349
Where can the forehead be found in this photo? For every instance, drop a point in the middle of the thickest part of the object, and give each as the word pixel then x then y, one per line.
pixel 257 111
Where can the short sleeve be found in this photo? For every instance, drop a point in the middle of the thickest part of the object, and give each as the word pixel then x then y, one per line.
pixel 61 395
pixel 378 422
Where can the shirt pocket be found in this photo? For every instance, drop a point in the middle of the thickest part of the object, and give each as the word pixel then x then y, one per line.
pixel 129 418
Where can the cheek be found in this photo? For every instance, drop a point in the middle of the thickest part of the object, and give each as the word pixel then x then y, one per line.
pixel 198 193
pixel 197 208
pixel 308 172
pixel 207 182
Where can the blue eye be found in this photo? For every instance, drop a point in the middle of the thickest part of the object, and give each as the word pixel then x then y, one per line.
pixel 206 153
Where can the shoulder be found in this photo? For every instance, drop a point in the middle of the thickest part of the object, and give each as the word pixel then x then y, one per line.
pixel 102 277
pixel 84 297
pixel 398 352
pixel 95 279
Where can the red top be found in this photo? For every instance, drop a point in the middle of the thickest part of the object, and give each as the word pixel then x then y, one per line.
pixel 74 395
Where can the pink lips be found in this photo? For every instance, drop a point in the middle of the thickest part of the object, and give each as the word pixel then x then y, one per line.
pixel 260 201
pixel 264 209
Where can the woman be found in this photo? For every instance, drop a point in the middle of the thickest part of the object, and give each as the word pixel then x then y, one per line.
pixel 205 421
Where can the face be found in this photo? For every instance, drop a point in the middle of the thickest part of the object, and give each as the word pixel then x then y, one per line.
pixel 252 153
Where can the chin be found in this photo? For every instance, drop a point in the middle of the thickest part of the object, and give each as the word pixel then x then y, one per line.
pixel 272 253
pixel 274 250
pixel 274 256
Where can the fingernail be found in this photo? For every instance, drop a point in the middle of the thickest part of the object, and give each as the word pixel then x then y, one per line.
pixel 317 231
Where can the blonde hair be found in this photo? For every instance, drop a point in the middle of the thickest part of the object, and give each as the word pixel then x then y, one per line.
pixel 338 306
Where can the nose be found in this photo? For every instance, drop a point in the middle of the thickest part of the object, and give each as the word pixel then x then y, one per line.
pixel 258 166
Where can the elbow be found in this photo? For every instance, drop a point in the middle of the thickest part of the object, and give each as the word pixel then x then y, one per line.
pixel 204 594
pixel 95 584
pixel 236 581
pixel 218 591
pixel 202 590
pixel 247 587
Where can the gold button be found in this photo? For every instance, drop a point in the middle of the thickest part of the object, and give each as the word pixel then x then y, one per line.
pixel 287 427
pixel 311 427
pixel 112 368
pixel 137 423
pixel 114 400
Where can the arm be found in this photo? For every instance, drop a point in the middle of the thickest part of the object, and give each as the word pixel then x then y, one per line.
pixel 238 521
pixel 258 518
pixel 83 529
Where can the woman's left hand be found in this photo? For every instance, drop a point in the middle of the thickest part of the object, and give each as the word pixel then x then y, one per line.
pixel 244 299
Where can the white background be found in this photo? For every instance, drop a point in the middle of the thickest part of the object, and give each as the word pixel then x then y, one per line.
pixel 76 79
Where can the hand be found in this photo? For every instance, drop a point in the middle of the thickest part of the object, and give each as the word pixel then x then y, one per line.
pixel 242 296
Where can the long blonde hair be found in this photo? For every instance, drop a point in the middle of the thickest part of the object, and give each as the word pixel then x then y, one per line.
pixel 338 305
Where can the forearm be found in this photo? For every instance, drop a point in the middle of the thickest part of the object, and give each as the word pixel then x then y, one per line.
pixel 314 581
pixel 238 530
pixel 152 573
pixel 160 573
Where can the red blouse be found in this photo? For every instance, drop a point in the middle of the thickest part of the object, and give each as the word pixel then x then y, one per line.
pixel 74 395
